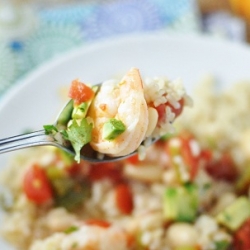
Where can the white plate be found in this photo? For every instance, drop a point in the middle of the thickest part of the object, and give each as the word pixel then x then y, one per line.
pixel 36 101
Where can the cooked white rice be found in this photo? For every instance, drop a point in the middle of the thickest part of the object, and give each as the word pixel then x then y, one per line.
pixel 219 121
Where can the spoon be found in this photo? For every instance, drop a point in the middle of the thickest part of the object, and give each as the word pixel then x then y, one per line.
pixel 41 138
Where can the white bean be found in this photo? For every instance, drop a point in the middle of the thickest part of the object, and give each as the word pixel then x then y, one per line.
pixel 182 234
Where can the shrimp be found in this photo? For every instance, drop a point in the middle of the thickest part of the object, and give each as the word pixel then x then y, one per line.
pixel 86 238
pixel 123 101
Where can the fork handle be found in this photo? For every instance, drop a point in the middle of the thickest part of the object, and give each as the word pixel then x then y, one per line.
pixel 37 138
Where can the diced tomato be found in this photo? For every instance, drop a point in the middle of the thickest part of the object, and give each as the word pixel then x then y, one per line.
pixel 80 92
pixel 97 222
pixel 124 198
pixel 108 170
pixel 134 159
pixel 36 185
pixel 242 237
pixel 184 149
pixel 74 169
pixel 206 155
pixel 161 110
pixel 77 169
pixel 131 241
pixel 177 111
pixel 223 168
pixel 192 161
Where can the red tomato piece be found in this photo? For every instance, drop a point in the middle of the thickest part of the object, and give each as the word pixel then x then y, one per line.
pixel 134 159
pixel 74 169
pixel 80 92
pixel 242 237
pixel 206 155
pixel 131 241
pixel 124 198
pixel 177 111
pixel 222 169
pixel 77 169
pixel 97 222
pixel 108 170
pixel 192 161
pixel 36 185
pixel 161 110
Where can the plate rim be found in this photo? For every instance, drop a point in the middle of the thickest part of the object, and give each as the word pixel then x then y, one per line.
pixel 106 42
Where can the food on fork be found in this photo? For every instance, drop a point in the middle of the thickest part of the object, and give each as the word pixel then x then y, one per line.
pixel 125 104
pixel 118 118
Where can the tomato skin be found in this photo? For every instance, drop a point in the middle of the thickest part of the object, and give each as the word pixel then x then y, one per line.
pixel 161 110
pixel 242 237
pixel 36 185
pixel 80 92
pixel 124 198
pixel 134 159
pixel 177 111
pixel 206 155
pixel 77 169
pixel 74 169
pixel 222 169
pixel 191 160
pixel 108 170
pixel 97 222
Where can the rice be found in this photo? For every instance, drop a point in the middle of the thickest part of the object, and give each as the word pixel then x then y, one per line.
pixel 85 238
pixel 160 90
pixel 139 219
pixel 222 116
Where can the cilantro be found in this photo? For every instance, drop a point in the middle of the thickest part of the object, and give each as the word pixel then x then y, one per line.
pixel 167 137
pixel 64 134
pixel 222 245
pixel 71 230
pixel 50 129
pixel 79 135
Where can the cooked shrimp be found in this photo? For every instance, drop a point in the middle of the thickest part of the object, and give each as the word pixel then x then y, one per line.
pixel 125 102
pixel 86 238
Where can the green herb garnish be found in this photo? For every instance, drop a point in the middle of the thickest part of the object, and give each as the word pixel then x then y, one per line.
pixel 71 229
pixel 79 135
pixel 50 129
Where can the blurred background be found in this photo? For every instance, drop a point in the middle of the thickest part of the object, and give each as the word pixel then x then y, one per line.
pixel 33 32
